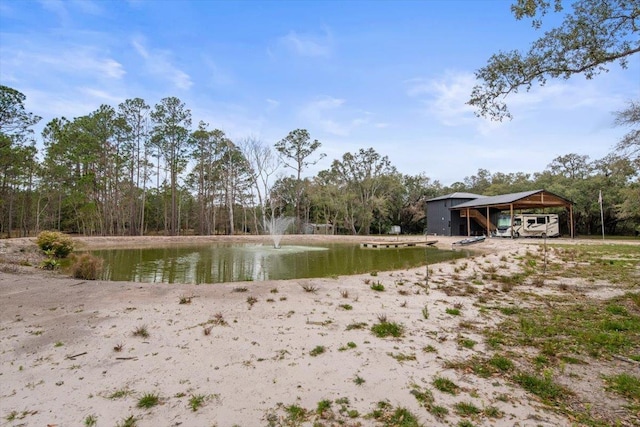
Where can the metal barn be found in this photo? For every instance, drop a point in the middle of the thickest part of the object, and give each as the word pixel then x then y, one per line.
pixel 468 214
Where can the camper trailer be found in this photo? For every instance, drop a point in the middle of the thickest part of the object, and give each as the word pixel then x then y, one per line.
pixel 528 225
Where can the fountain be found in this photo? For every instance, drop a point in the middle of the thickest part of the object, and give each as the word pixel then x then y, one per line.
pixel 276 228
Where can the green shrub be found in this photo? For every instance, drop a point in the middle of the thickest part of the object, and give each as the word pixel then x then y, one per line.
pixel 86 266
pixel 55 243
pixel 386 329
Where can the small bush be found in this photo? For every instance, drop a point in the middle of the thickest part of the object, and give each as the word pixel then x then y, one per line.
pixel 386 329
pixel 318 350
pixel 379 287
pixel 55 243
pixel 86 266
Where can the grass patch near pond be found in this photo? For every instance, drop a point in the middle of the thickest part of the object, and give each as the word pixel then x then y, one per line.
pixel 590 328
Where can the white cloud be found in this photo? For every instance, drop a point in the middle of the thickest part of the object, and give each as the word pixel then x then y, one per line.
pixel 308 44
pixel 321 113
pixel 272 104
pixel 445 97
pixel 158 62
pixel 102 96
pixel 66 60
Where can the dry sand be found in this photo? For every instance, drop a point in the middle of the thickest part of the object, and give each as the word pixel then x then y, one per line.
pixel 58 364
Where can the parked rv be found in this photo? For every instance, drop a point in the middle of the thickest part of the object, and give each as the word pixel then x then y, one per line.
pixel 528 225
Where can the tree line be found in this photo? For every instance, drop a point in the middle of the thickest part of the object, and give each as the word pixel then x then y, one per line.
pixel 141 170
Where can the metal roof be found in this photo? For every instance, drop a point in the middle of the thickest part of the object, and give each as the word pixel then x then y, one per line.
pixel 457 195
pixel 524 199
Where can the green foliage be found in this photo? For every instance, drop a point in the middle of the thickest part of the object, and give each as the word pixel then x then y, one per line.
pixel 466 409
pixel 90 421
pixel 86 266
pixel 130 421
pixel 543 387
pixel 626 385
pixel 591 35
pixel 379 287
pixel 389 416
pixel 387 329
pixel 196 401
pixel 317 350
pixel 445 385
pixel 141 331
pixel 148 400
pixel 55 243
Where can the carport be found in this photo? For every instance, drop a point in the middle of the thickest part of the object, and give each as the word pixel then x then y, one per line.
pixel 482 209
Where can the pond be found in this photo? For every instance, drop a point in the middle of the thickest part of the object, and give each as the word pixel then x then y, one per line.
pixel 226 262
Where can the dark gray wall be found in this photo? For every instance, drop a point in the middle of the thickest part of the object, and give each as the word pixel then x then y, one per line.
pixel 444 222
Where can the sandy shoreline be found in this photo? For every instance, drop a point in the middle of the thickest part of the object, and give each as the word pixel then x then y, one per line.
pixel 256 357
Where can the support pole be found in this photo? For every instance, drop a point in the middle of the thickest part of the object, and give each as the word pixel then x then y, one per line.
pixel 488 223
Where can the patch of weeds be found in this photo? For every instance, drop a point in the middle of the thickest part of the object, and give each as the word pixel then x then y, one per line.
pixel 509 311
pixel 403 292
pixel 359 325
pixel 625 385
pixel 185 299
pixel 453 311
pixel 251 300
pixel 374 273
pixel 466 409
pixel 323 406
pixel 358 380
pixel 90 421
pixel 466 342
pixel 465 423
pixel 425 312
pixel 130 421
pixel 218 320
pixel 295 413
pixel 148 400
pixel 141 331
pixel 240 289
pixel 377 286
pixel 349 345
pixel 445 385
pixel 58 344
pixel 501 363
pixel 543 387
pixel 492 412
pixel 118 394
pixel 394 417
pixel 344 293
pixel 346 306
pixel 429 349
pixel 426 400
pixel 274 290
pixel 310 288
pixel 318 350
pixel 207 330
pixel 86 266
pixel 196 401
pixel 118 347
pixel 387 329
pixel 401 357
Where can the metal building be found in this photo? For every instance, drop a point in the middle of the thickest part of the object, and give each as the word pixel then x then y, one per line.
pixel 468 214
pixel 440 220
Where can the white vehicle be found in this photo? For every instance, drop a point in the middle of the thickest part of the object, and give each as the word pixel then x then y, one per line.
pixel 528 225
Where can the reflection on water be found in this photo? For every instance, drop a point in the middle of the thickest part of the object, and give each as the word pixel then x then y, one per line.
pixel 221 262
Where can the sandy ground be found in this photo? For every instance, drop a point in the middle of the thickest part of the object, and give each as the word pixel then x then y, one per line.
pixel 59 365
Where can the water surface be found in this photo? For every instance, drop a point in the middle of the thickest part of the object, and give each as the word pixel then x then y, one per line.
pixel 225 262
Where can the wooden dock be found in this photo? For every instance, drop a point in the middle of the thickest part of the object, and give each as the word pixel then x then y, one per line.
pixel 399 244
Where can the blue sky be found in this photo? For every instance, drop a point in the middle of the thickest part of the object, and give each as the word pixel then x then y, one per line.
pixel 394 76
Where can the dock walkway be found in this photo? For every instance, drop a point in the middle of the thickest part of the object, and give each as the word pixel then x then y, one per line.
pixel 389 245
